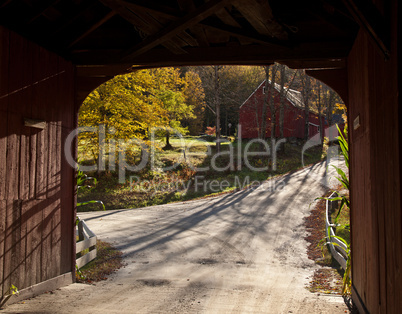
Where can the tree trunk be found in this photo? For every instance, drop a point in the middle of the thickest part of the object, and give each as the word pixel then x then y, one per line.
pixel 306 119
pixel 330 106
pixel 226 123
pixel 218 111
pixel 282 101
pixel 306 91
pixel 168 146
pixel 272 106
pixel 263 129
pixel 319 106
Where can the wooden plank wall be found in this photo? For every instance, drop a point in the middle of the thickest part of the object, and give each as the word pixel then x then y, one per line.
pixel 375 175
pixel 36 184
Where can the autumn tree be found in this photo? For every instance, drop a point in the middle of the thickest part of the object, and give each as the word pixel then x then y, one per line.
pixel 194 96
pixel 173 102
pixel 129 106
pixel 124 107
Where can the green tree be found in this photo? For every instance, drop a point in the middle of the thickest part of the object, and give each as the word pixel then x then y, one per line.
pixel 125 106
pixel 176 109
pixel 194 96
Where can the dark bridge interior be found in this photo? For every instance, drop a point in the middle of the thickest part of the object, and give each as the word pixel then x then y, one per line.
pixel 54 52
pixel 93 32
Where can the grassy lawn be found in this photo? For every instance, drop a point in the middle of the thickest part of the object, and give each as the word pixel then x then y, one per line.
pixel 232 170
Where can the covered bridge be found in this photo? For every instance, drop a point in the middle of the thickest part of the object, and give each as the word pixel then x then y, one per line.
pixel 54 52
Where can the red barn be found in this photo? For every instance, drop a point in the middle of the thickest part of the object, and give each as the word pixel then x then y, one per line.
pixel 294 124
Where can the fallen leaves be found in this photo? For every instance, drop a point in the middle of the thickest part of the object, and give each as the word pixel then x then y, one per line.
pixel 326 279
pixel 107 261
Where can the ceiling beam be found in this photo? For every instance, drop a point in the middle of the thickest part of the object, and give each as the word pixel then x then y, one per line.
pixel 241 34
pixel 71 19
pixel 43 10
pixel 163 11
pixel 226 18
pixel 95 26
pixel 229 25
pixel 102 70
pixel 174 28
pixel 186 5
pixel 146 24
pixel 5 3
pixel 260 16
pixel 370 19
pixel 251 54
pixel 328 64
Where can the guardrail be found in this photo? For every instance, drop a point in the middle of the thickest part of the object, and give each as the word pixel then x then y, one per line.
pixel 86 240
pixel 338 248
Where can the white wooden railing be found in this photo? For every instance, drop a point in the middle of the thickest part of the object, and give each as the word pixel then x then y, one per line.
pixel 338 248
pixel 86 240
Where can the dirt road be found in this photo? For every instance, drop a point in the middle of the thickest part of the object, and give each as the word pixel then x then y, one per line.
pixel 239 253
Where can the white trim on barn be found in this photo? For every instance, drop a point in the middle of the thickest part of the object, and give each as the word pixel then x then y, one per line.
pixel 291 97
pixel 252 94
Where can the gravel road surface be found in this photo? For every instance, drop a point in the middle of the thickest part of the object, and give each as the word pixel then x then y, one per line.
pixel 242 252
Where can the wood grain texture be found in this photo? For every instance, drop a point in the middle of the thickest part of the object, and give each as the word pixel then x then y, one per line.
pixel 375 180
pixel 4 66
pixel 36 229
pixel 3 210
pixel 33 209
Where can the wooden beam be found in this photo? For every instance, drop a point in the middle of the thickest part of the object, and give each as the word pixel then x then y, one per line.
pixel 138 17
pixel 102 70
pixel 71 19
pixel 5 3
pixel 186 5
pixel 259 15
pixel 371 20
pixel 163 11
pixel 226 18
pixel 199 32
pixel 175 27
pixel 222 14
pixel 42 10
pixel 328 64
pixel 102 21
pixel 251 54
pixel 152 25
pixel 241 34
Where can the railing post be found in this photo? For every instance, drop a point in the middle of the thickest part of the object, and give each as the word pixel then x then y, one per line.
pixel 80 231
pixel 80 236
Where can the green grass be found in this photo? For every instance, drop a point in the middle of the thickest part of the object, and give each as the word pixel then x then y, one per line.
pixel 117 196
pixel 108 260
pixel 343 221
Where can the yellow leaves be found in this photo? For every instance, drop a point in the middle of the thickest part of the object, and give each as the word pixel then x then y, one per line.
pixel 132 104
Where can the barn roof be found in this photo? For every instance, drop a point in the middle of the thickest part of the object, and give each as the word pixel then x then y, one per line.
pixel 293 96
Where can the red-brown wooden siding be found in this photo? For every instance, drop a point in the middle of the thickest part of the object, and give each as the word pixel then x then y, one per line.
pixel 36 185
pixel 375 176
pixel 294 122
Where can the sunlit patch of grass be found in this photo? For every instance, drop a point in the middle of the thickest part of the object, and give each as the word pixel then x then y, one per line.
pixel 108 260
pixel 179 183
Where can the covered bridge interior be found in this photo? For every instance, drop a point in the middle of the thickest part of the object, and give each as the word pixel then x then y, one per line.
pixel 54 52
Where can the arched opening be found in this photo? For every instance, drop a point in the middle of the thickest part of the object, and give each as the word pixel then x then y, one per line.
pixel 186 239
pixel 118 35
